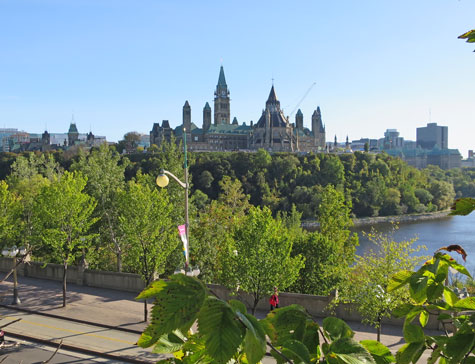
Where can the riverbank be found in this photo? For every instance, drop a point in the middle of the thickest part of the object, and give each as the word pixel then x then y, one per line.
pixel 368 221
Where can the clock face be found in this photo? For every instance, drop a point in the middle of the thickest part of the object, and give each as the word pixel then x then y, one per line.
pixel 223 93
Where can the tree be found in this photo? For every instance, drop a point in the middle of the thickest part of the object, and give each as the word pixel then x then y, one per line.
pixel 105 170
pixel 131 140
pixel 62 220
pixel 262 255
pixel 27 178
pixel 10 213
pixel 367 286
pixel 212 235
pixel 443 194
pixel 146 224
pixel 329 251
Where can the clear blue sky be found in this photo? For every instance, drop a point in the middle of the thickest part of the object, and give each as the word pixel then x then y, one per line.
pixel 122 65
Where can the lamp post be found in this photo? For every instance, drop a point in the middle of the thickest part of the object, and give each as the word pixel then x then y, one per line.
pixel 162 181
pixel 13 252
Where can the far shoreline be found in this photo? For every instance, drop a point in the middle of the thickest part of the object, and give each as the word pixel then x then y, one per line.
pixel 368 221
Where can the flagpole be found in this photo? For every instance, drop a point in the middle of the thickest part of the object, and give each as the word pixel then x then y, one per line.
pixel 187 225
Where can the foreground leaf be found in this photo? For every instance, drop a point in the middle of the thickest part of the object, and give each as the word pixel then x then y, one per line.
pixel 380 353
pixel 219 327
pixel 346 350
pixel 177 303
pixel 337 328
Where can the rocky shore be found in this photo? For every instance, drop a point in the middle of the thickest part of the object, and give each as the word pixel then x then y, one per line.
pixel 365 221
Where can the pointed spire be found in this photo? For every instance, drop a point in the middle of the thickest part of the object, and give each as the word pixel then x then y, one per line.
pixel 186 104
pixel 299 112
pixel 207 107
pixel 222 79
pixel 272 96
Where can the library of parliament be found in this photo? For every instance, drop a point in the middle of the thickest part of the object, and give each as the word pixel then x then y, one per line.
pixel 272 132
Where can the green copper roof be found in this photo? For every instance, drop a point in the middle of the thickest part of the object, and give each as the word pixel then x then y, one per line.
pixel 221 80
pixel 73 128
pixel 207 107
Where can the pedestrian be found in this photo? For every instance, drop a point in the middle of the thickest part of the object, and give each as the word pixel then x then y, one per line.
pixel 274 300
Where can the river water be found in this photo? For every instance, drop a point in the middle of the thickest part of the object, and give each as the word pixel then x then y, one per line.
pixel 434 234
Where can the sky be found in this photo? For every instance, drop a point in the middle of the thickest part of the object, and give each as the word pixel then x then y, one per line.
pixel 120 66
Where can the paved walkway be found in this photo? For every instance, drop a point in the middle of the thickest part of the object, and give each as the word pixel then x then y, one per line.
pixel 119 309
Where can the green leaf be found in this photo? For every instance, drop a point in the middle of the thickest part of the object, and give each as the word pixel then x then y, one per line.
pixel 296 351
pixel 285 323
pixel 444 316
pixel 413 333
pixel 402 310
pixel 399 279
pixel 337 328
pixel 459 345
pixel 469 360
pixel 418 287
pixel 237 306
pixel 380 353
pixel 311 339
pixel 347 350
pixel 168 344
pixel 255 339
pixel 454 264
pixel 466 303
pixel 218 325
pixel 177 303
pixel 435 291
pixel 413 314
pixel 450 297
pixel 442 271
pixel 410 353
pixel 464 206
pixel 424 318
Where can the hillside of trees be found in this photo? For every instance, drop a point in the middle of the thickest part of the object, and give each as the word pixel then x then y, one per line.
pixel 374 184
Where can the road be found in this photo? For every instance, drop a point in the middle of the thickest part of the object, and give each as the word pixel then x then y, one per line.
pixel 29 352
pixel 114 343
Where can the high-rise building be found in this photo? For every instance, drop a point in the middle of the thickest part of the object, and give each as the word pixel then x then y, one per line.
pixel 432 135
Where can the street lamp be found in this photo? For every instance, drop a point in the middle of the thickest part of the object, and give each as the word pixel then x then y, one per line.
pixel 162 181
pixel 13 252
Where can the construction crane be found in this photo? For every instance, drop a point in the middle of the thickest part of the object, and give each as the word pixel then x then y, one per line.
pixel 303 98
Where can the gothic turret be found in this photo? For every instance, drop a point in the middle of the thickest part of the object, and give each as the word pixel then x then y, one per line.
pixel 206 117
pixel 187 116
pixel 222 110
pixel 299 120
pixel 73 134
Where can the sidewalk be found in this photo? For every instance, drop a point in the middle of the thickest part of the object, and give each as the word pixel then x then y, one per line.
pixel 119 309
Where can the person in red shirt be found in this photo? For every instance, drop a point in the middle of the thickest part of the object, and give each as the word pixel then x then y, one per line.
pixel 274 300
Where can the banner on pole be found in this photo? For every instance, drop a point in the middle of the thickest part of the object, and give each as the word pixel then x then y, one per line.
pixel 182 231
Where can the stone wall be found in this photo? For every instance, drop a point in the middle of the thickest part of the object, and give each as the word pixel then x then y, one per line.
pixel 315 305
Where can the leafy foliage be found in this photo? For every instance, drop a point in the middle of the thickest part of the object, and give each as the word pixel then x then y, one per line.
pixel 367 287
pixel 226 332
pixel 469 36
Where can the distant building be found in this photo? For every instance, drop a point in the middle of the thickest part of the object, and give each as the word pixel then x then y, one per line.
pixel 470 161
pixel 16 141
pixel 392 140
pixel 273 131
pixel 431 135
pixel 421 158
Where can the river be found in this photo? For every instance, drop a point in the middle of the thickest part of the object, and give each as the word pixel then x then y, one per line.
pixel 434 234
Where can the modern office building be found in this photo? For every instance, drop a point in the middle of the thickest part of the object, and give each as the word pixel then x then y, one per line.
pixel 432 135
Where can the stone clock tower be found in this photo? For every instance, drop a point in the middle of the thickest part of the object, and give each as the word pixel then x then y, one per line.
pixel 222 111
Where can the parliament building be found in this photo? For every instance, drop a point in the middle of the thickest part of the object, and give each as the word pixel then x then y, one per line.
pixel 272 132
